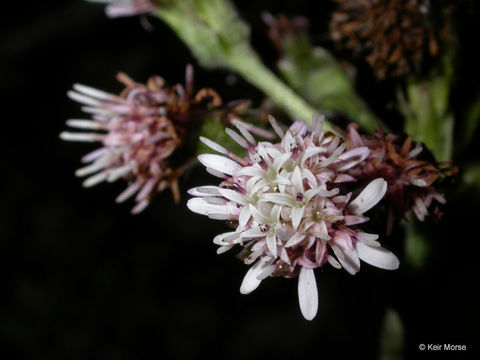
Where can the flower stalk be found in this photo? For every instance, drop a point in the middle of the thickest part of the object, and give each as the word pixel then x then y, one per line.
pixel 220 39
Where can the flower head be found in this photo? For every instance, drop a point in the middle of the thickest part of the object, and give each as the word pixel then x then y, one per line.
pixel 394 35
pixel 118 8
pixel 291 210
pixel 411 181
pixel 139 131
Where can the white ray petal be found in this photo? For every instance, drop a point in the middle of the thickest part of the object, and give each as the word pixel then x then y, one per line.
pixel 250 281
pixel 377 256
pixel 369 197
pixel 219 163
pixel 307 293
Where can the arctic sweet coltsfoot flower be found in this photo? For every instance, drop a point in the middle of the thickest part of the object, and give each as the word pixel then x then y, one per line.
pixel 411 181
pixel 291 210
pixel 139 131
pixel 118 8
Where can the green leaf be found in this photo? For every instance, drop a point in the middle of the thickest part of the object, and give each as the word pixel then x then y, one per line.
pixel 315 74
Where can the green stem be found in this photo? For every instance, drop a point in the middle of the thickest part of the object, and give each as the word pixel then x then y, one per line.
pixel 247 64
pixel 218 38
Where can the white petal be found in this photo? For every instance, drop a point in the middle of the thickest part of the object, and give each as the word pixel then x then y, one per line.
pixel 251 171
pixel 353 157
pixel 368 239
pixel 295 239
pixel 297 216
pixel 213 145
pixel 252 233
pixel 272 245
pixel 280 199
pixel 307 293
pixel 223 249
pixel 250 281
pixel 297 181
pixel 219 163
pixel 377 256
pixel 207 190
pixel 275 126
pixel 257 215
pixel 369 197
pixel 244 217
pixel 237 138
pixel 85 124
pixel 200 206
pixel 219 239
pixel 279 161
pixel 95 179
pixel 233 195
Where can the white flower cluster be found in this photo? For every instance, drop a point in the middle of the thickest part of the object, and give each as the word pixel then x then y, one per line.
pixel 292 212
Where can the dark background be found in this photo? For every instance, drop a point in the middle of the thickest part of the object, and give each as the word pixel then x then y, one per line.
pixel 80 278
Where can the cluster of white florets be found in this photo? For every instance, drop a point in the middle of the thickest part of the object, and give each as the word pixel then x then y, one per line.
pixel 292 211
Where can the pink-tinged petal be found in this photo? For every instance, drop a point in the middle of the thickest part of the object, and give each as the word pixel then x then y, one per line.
pixel 250 281
pixel 353 157
pixel 254 129
pixel 96 93
pixel 377 256
pixel 237 138
pixel 317 126
pixel 350 262
pixel 245 133
pixel 311 151
pixel 368 239
pixel 342 178
pixel 213 145
pixel 129 191
pixel 278 130
pixel 355 219
pixel 347 257
pixel 332 261
pixel 219 163
pixel 272 245
pixel 307 293
pixel 369 197
pixel 282 253
pixel 297 215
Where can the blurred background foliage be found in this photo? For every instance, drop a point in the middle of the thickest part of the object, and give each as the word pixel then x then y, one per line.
pixel 83 279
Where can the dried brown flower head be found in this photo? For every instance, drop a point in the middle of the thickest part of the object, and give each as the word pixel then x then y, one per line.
pixel 394 35
pixel 411 181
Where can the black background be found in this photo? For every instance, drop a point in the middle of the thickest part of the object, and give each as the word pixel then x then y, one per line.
pixel 83 279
